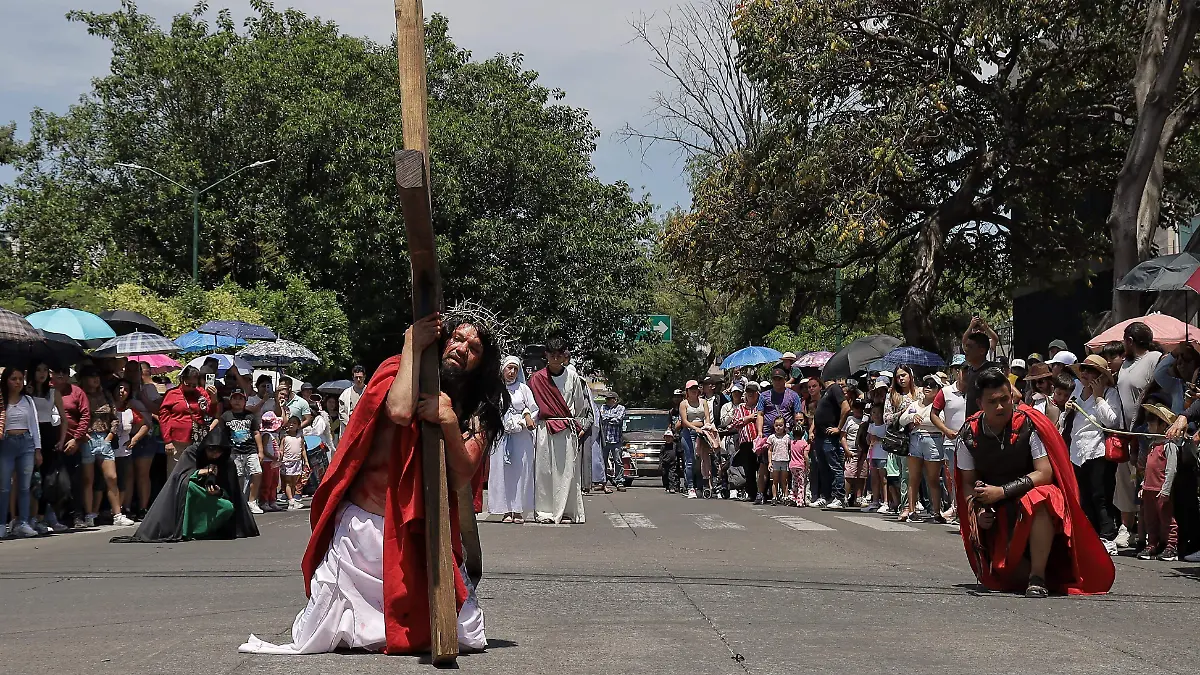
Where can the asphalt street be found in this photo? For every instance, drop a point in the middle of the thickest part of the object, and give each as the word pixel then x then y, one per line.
pixel 651 583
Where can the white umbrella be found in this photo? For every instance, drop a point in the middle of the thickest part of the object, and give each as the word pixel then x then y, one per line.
pixel 223 363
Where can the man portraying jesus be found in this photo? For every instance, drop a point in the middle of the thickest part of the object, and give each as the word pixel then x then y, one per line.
pixel 365 569
pixel 1018 502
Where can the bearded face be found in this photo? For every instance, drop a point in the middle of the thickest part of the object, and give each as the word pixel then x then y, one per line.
pixel 463 353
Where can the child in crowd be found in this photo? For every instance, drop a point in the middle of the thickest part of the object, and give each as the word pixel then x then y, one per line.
pixel 857 466
pixel 269 486
pixel 798 463
pixel 780 447
pixel 879 459
pixel 295 460
pixel 1162 534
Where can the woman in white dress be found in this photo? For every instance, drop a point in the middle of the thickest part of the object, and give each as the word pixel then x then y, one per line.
pixel 510 482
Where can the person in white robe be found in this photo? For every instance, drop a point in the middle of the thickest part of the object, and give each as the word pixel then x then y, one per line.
pixel 510 481
pixel 558 497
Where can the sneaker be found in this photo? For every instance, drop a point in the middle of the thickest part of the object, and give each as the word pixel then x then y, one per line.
pixel 78 524
pixel 1192 557
pixel 920 507
pixel 41 527
pixel 1169 554
pixel 1122 539
pixel 89 520
pixel 1148 553
pixel 1110 546
pixel 758 501
pixel 820 504
pixel 121 520
pixel 24 530
pixel 4 531
pixel 885 511
pixel 254 507
pixel 836 505
pixel 691 493
pixel 873 506
pixel 707 493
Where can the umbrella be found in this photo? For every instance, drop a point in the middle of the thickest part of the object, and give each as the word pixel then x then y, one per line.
pixel 814 360
pixel 278 353
pixel 224 361
pixel 750 356
pixel 1168 331
pixel 20 342
pixel 1179 272
pixel 137 343
pixel 124 321
pixel 857 355
pixel 912 356
pixel 194 341
pixel 238 330
pixel 159 363
pixel 336 387
pixel 61 350
pixel 89 329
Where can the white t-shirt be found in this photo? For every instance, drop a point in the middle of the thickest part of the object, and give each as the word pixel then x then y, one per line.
pixel 954 410
pixel 781 448
pixel 850 429
pixel 966 461
pixel 878 431
pixel 124 432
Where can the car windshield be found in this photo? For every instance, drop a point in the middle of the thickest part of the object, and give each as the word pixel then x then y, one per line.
pixel 646 422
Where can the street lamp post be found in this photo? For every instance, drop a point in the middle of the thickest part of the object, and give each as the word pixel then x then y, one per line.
pixel 195 203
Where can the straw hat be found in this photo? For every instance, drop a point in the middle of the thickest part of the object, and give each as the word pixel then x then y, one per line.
pixel 1160 411
pixel 1095 362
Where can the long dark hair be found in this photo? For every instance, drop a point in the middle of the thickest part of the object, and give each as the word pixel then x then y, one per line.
pixel 4 382
pixel 43 390
pixel 482 393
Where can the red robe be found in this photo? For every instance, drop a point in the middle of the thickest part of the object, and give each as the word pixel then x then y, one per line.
pixel 405 584
pixel 1078 563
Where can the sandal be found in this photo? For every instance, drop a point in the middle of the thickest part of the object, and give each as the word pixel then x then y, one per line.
pixel 545 521
pixel 507 518
pixel 904 517
pixel 1036 588
pixel 608 489
pixel 518 520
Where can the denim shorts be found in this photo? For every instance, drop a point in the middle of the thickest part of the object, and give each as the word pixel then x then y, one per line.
pixel 149 446
pixel 926 446
pixel 96 447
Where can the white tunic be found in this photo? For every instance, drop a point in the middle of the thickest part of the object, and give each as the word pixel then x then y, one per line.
pixel 510 481
pixel 557 493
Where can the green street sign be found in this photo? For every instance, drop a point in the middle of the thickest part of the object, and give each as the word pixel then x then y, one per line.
pixel 659 328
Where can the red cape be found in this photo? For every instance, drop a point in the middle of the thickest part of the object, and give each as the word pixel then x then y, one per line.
pixel 1078 564
pixel 405 583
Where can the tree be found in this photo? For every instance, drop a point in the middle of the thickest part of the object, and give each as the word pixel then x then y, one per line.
pixel 931 136
pixel 524 225
pixel 1163 113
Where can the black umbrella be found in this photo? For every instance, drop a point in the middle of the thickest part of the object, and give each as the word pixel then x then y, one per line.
pixel 20 342
pixel 61 350
pixel 1179 272
pixel 336 387
pixel 857 356
pixel 125 322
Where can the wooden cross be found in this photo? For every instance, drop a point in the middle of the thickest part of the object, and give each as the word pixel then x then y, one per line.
pixel 412 179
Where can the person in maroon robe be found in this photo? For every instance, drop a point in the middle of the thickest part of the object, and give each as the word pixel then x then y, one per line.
pixel 365 568
pixel 1018 502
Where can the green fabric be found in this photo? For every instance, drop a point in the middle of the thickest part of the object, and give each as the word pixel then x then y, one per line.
pixel 204 514
pixel 895 465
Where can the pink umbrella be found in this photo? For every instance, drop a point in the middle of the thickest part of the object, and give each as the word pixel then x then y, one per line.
pixel 814 360
pixel 159 363
pixel 1168 331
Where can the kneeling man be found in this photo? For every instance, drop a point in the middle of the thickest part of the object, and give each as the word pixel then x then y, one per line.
pixel 364 568
pixel 1021 521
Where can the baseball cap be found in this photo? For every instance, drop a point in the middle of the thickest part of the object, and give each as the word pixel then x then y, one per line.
pixel 1034 358
pixel 306 385
pixel 1064 357
pixel 690 384
pixel 1059 344
pixel 882 383
pixel 678 392
pixel 738 386
pixel 887 373
pixel 1018 363
pixel 779 372
pixel 237 391
pixel 958 360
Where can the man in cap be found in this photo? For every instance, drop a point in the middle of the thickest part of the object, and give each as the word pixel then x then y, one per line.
pixel 778 401
pixel 612 429
pixel 242 427
pixel 1055 347
pixel 1017 371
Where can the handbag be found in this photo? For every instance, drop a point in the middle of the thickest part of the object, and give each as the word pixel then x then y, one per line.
pixel 895 440
pixel 1116 446
pixel 737 477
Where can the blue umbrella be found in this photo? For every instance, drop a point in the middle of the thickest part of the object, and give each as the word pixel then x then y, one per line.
pixel 194 341
pixel 750 356
pixel 912 356
pixel 89 329
pixel 239 330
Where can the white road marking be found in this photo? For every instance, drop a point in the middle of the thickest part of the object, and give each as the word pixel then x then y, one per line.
pixel 482 516
pixel 709 521
pixel 878 524
pixel 639 520
pixel 802 524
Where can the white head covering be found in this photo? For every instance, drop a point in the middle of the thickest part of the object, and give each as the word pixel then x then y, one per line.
pixel 520 371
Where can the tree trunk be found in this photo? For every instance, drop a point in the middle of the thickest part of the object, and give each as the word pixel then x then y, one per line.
pixel 916 317
pixel 1144 148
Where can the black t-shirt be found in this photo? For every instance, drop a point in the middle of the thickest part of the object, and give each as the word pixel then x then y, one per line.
pixel 971 391
pixel 242 428
pixel 829 409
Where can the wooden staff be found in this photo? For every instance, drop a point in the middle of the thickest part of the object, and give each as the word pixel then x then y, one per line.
pixel 412 180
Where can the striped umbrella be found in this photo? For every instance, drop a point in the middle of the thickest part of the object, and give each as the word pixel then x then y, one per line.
pixel 137 343
pixel 278 353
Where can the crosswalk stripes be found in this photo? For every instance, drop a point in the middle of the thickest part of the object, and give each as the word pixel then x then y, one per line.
pixel 802 524
pixel 879 524
pixel 630 520
pixel 711 521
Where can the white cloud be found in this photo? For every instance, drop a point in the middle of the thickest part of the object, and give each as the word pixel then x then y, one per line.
pixel 582 47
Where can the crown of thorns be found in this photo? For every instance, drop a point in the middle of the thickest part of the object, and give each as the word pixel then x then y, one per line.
pixel 484 319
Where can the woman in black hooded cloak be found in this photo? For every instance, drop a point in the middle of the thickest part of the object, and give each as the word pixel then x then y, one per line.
pixel 197 498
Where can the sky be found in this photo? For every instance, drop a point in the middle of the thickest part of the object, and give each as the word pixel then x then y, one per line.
pixel 584 47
